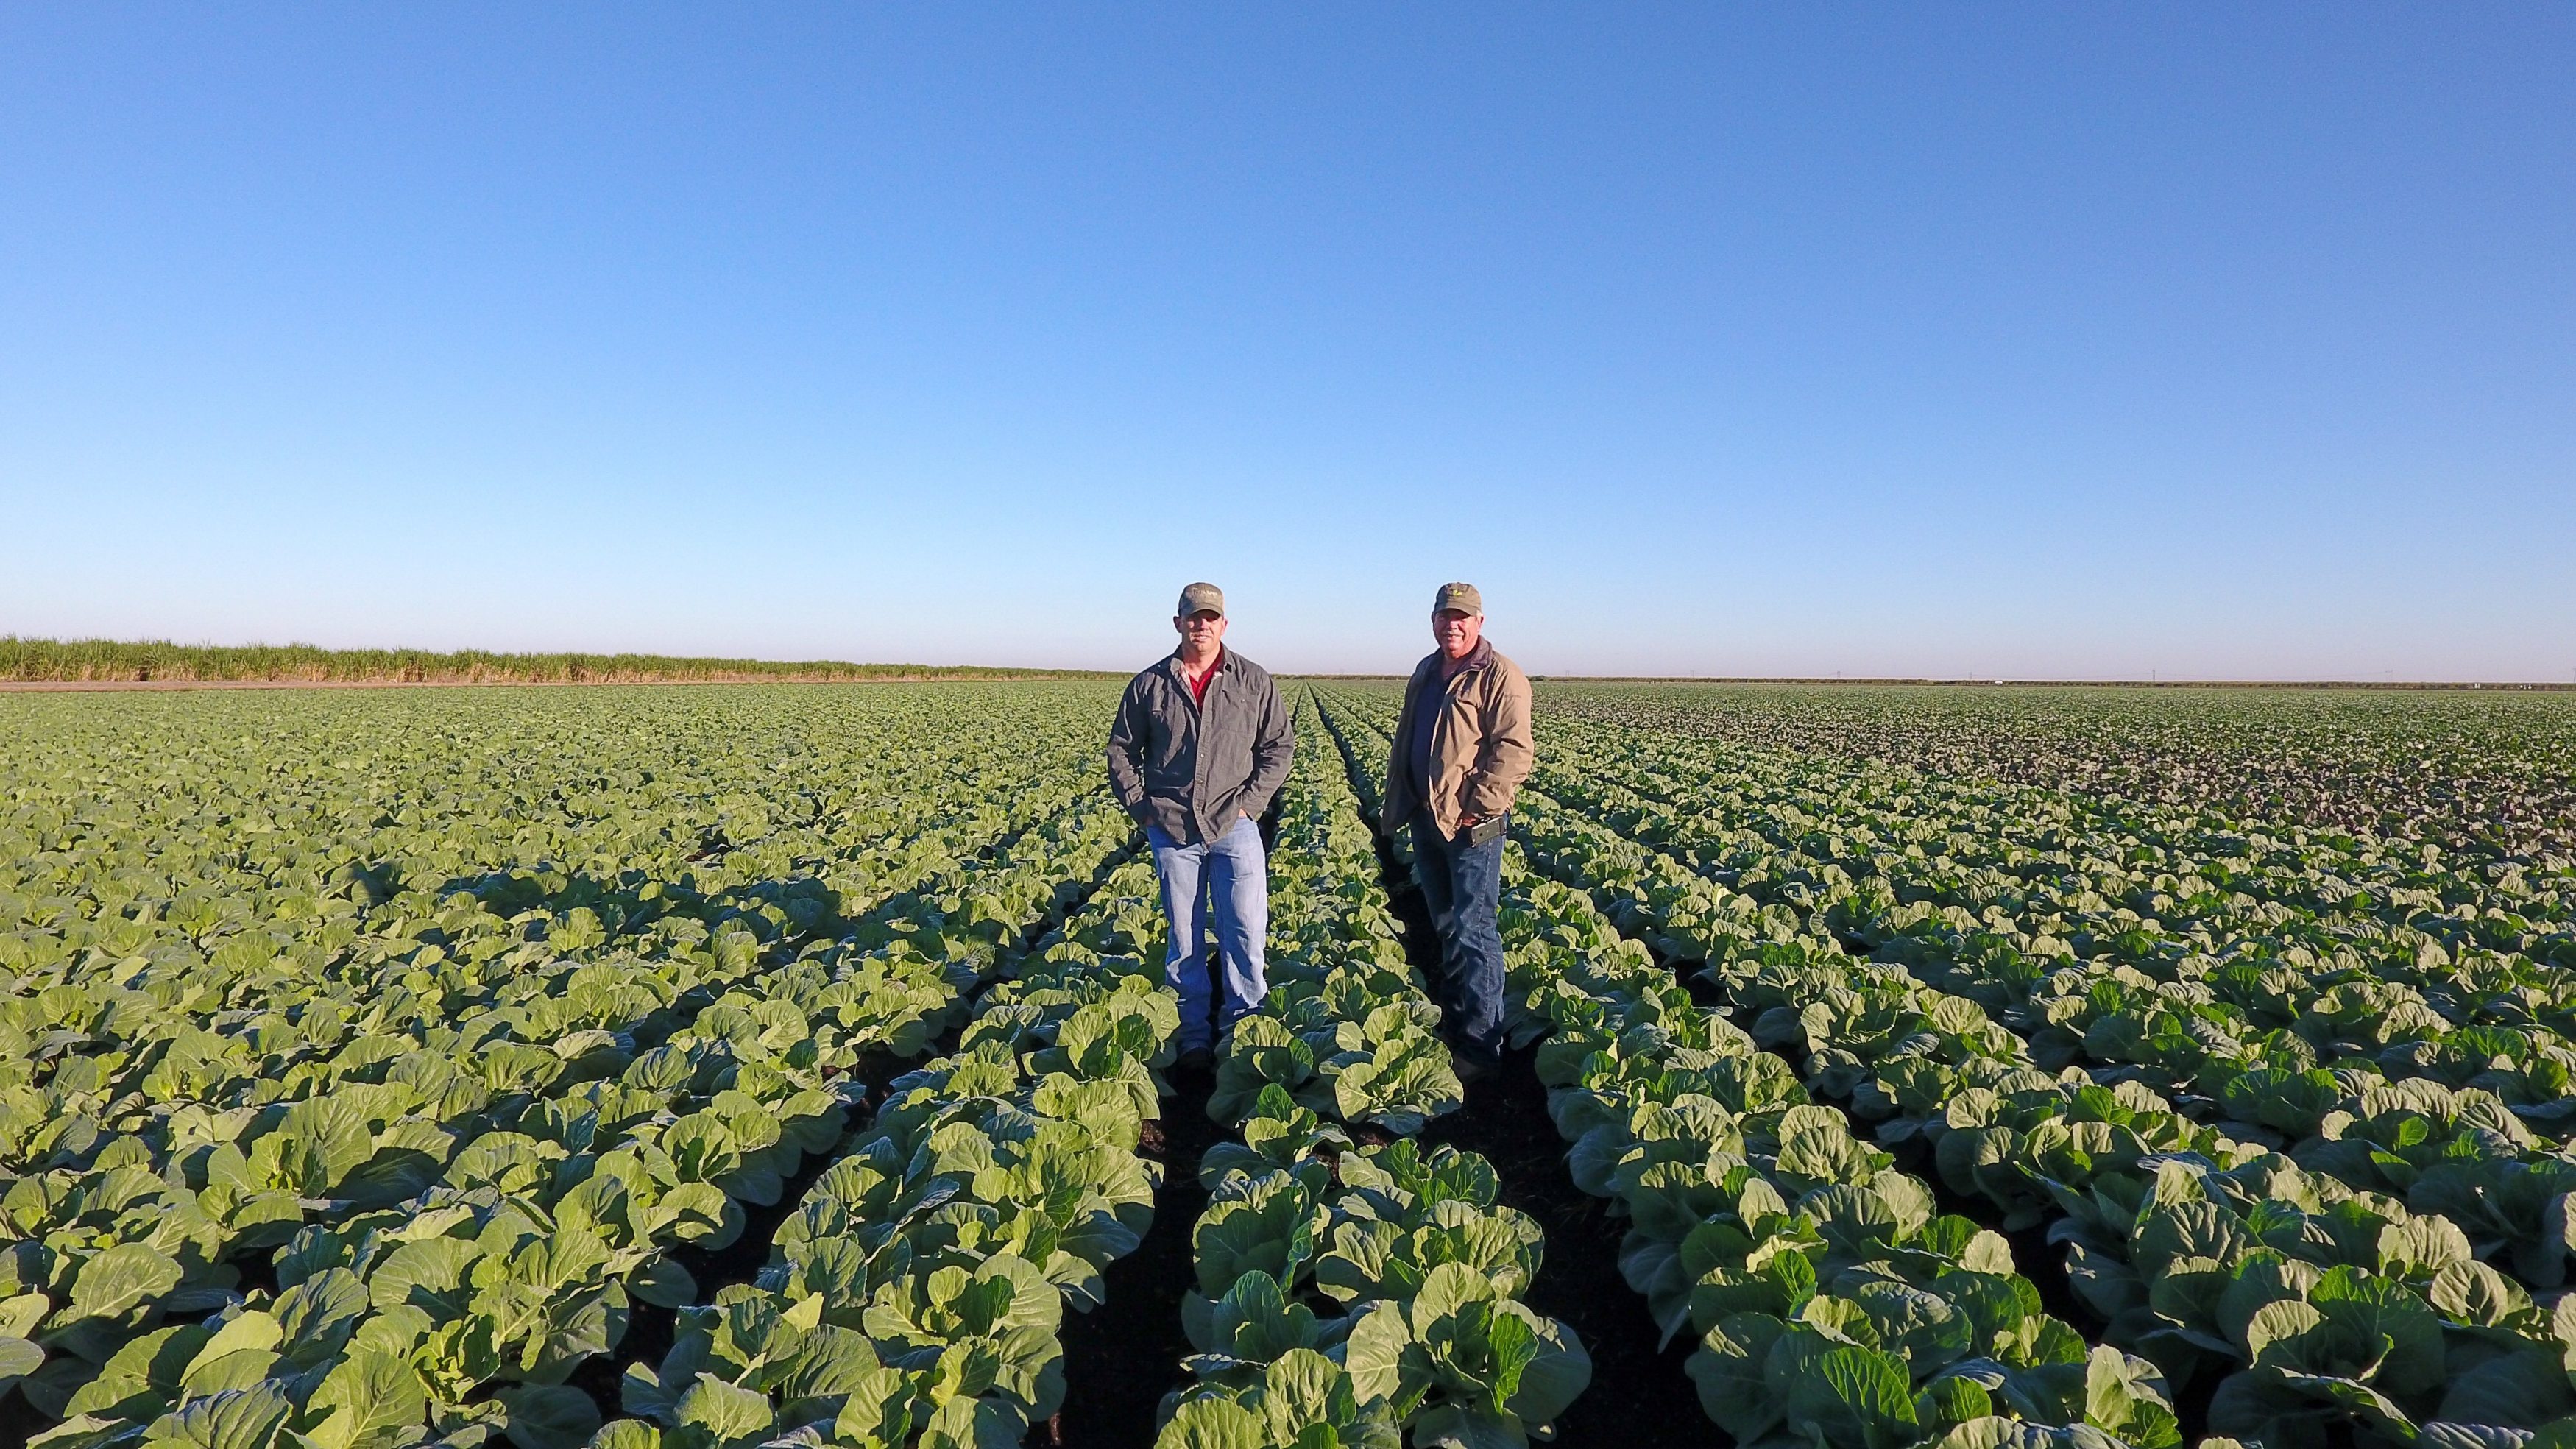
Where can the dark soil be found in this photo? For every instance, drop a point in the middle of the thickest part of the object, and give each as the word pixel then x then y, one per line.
pixel 1120 1359
pixel 2192 1379
pixel 19 1421
pixel 2034 1257
pixel 650 1330
pixel 1640 1397
pixel 1639 1394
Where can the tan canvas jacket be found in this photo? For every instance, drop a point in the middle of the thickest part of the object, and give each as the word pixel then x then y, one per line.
pixel 1480 746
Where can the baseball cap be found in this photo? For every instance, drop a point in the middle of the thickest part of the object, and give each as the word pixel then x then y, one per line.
pixel 1199 598
pixel 1462 597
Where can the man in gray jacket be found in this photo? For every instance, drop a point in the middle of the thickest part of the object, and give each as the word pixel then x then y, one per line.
pixel 1200 745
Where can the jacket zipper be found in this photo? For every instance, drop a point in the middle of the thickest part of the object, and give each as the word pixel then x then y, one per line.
pixel 1442 718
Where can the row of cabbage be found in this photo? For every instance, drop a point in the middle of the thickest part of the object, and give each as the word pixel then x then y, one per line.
pixel 158 827
pixel 2328 1309
pixel 538 1211
pixel 2440 1115
pixel 436 1141
pixel 2188 958
pixel 916 1295
pixel 1354 1287
pixel 1831 1299
pixel 2479 767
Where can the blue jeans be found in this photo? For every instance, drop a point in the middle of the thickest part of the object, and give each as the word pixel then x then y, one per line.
pixel 1462 885
pixel 1232 876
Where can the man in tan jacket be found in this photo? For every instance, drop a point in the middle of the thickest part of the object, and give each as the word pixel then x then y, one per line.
pixel 1462 748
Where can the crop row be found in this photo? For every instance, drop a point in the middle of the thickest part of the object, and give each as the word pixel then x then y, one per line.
pixel 915 1296
pixel 2177 1235
pixel 2196 956
pixel 475 1125
pixel 1829 1294
pixel 2437 1116
pixel 1355 1288
pixel 545 1203
pixel 2474 769
pixel 2325 1306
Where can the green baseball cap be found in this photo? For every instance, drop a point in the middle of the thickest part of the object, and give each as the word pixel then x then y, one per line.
pixel 1201 599
pixel 1461 597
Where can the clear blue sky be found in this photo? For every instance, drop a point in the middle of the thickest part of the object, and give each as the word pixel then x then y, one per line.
pixel 2063 340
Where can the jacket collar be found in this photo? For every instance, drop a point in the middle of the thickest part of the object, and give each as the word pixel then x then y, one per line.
pixel 1172 666
pixel 1477 658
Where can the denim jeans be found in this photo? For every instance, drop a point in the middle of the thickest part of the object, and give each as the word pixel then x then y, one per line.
pixel 1228 879
pixel 1462 885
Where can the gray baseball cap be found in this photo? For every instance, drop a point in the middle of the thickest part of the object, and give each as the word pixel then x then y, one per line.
pixel 1462 597
pixel 1201 598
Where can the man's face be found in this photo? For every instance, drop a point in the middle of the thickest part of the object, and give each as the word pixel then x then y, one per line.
pixel 1200 631
pixel 1455 631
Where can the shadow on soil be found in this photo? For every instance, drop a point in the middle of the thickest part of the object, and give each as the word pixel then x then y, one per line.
pixel 817 911
pixel 1120 1359
pixel 1640 1397
pixel 2034 1257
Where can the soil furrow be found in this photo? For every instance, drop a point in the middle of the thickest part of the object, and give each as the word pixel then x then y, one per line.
pixel 1121 1359
pixel 650 1330
pixel 1640 1395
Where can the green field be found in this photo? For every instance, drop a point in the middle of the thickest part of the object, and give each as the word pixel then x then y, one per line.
pixel 722 1066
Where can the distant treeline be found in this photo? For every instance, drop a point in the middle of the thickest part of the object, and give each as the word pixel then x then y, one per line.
pixel 74 661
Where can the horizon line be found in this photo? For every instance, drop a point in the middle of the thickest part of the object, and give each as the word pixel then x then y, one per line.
pixel 100 662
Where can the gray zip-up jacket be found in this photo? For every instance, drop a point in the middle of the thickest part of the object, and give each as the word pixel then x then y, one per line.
pixel 1191 767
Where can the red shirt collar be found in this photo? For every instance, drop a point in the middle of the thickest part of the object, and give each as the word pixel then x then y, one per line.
pixel 1199 687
